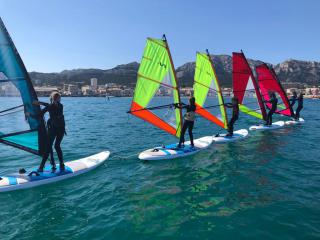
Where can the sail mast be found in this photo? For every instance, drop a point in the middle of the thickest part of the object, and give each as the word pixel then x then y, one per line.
pixel 175 77
pixel 257 90
pixel 219 93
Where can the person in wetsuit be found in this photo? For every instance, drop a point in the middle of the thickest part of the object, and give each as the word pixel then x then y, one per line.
pixel 274 102
pixel 56 130
pixel 293 100
pixel 188 123
pixel 300 106
pixel 235 115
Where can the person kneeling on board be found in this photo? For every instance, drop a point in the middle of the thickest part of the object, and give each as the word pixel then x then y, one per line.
pixel 235 115
pixel 56 130
pixel 300 106
pixel 274 102
pixel 188 123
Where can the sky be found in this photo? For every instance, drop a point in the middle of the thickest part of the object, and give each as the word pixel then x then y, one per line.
pixel 54 35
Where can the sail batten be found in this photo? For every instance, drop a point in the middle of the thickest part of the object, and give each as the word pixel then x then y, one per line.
pixel 153 80
pixel 206 82
pixel 244 82
pixel 156 76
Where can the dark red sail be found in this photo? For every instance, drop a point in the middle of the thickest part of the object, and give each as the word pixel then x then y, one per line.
pixel 268 82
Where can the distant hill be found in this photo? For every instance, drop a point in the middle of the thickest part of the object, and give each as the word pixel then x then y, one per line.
pixel 290 71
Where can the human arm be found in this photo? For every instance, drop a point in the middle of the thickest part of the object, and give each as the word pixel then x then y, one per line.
pixel 180 105
pixel 39 115
pixel 39 103
pixel 229 105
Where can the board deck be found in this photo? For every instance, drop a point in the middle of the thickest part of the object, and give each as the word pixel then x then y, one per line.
pixel 262 127
pixel 171 151
pixel 294 122
pixel 72 168
pixel 237 135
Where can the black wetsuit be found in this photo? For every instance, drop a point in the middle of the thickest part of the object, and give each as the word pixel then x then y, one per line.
pixel 56 131
pixel 274 103
pixel 299 108
pixel 235 116
pixel 292 101
pixel 187 124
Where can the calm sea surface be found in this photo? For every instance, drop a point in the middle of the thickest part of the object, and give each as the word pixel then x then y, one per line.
pixel 265 187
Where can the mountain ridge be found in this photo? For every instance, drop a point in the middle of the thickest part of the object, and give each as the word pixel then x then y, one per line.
pixel 289 71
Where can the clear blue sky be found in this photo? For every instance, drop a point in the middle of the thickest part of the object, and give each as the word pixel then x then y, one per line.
pixel 53 35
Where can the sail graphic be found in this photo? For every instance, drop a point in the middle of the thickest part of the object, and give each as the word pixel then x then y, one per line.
pixel 268 82
pixel 156 77
pixel 245 87
pixel 14 78
pixel 207 90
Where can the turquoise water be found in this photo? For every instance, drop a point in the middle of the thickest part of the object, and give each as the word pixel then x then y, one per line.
pixel 265 187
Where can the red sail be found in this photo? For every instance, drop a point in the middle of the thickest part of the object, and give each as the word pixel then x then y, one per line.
pixel 268 83
pixel 242 78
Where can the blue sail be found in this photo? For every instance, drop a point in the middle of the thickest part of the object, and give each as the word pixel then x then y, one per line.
pixel 13 71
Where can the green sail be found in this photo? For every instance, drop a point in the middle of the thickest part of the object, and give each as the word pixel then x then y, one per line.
pixel 205 80
pixel 156 70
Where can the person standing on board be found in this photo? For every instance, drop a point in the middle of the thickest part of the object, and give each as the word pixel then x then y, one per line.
pixel 235 115
pixel 189 118
pixel 56 130
pixel 274 102
pixel 293 100
pixel 300 106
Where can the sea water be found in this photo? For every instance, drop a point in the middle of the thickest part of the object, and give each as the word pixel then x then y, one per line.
pixel 264 187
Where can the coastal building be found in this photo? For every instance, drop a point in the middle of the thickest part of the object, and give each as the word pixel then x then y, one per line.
pixel 313 91
pixel 9 90
pixel 86 90
pixel 94 83
pixel 46 90
pixel 71 90
pixel 290 91
pixel 114 91
pixel 227 92
pixel 186 91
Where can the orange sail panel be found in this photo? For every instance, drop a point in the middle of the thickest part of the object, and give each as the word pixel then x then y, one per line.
pixel 148 116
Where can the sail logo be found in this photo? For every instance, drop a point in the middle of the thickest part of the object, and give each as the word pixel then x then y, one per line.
pixel 162 65
pixel 3 76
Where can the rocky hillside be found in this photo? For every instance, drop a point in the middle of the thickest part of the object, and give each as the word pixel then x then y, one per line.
pixel 223 67
pixel 299 71
pixel 291 71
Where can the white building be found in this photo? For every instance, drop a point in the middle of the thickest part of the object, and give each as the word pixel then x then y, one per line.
pixel 94 83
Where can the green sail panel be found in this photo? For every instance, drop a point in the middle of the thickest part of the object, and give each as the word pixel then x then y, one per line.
pixel 156 73
pixel 205 82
